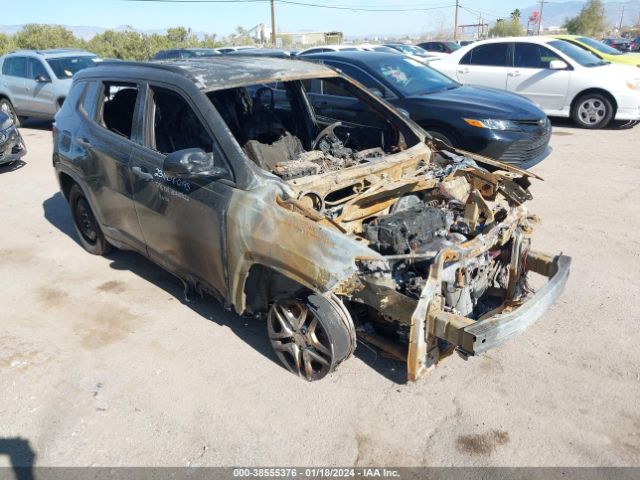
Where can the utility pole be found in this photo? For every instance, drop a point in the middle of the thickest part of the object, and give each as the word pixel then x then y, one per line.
pixel 455 24
pixel 273 23
pixel 621 17
pixel 540 17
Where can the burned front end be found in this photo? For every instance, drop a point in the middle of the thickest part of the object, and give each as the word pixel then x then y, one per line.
pixel 11 144
pixel 454 268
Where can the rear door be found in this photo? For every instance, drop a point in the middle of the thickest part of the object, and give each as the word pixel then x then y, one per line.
pixel 14 72
pixel 182 219
pixel 39 88
pixel 104 141
pixel 485 65
pixel 531 76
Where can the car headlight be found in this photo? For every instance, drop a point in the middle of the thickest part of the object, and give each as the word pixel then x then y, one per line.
pixel 4 135
pixel 492 124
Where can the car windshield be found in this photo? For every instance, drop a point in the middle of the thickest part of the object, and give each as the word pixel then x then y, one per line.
pixel 410 77
pixel 584 58
pixel 452 45
pixel 204 52
pixel 599 46
pixel 411 50
pixel 66 67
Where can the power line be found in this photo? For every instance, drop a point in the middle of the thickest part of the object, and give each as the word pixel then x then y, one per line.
pixel 305 4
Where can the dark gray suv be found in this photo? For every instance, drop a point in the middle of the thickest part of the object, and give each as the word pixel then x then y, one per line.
pixel 329 226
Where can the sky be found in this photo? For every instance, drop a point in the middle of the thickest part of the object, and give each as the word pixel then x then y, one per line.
pixel 223 18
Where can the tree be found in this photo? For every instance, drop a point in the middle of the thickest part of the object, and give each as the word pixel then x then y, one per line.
pixel 590 21
pixel 515 15
pixel 6 43
pixel 507 28
pixel 41 37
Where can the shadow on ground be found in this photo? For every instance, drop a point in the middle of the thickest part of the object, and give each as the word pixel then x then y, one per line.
pixel 21 456
pixel 568 123
pixel 11 167
pixel 249 329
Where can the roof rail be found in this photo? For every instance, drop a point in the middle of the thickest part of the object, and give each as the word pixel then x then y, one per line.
pixel 132 63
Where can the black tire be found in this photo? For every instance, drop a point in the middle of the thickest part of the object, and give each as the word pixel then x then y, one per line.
pixel 443 137
pixel 592 110
pixel 323 339
pixel 91 236
pixel 7 107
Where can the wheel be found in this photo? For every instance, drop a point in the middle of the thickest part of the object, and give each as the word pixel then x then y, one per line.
pixel 311 335
pixel 91 236
pixel 441 136
pixel 7 108
pixel 592 110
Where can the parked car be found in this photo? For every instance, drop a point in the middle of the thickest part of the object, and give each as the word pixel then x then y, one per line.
pixel 12 146
pixel 620 44
pixel 233 48
pixel 262 52
pixel 439 47
pixel 324 225
pixel 183 53
pixel 491 122
pixel 635 45
pixel 464 43
pixel 35 83
pixel 601 50
pixel 563 79
pixel 378 48
pixel 416 53
pixel 330 48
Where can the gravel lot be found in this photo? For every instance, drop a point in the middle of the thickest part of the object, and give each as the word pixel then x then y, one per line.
pixel 102 364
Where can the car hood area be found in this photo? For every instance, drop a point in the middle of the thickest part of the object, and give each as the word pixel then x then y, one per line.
pixel 484 102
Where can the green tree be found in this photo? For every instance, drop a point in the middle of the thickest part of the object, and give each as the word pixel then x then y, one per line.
pixel 40 37
pixel 6 43
pixel 180 37
pixel 590 21
pixel 507 28
pixel 515 15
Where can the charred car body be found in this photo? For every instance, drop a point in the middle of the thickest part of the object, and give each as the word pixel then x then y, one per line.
pixel 12 146
pixel 329 227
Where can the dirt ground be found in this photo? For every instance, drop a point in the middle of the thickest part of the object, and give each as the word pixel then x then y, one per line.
pixel 102 364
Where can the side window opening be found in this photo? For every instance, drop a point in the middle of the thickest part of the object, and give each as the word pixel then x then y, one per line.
pixel 175 125
pixel 118 107
pixel 36 69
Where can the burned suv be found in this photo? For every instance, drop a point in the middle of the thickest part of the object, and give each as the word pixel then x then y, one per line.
pixel 329 225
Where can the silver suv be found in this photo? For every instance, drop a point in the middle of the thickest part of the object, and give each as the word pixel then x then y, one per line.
pixel 34 83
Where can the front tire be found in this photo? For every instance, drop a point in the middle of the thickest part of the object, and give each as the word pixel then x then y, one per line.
pixel 91 237
pixel 592 110
pixel 311 334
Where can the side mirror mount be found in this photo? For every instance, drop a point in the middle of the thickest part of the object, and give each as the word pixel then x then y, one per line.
pixel 558 65
pixel 42 79
pixel 192 162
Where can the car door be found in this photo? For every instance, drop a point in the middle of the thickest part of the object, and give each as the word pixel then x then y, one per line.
pixel 39 89
pixel 485 65
pixel 182 219
pixel 14 71
pixel 104 141
pixel 532 76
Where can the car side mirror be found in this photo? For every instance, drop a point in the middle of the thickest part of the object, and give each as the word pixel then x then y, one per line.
pixel 377 92
pixel 42 79
pixel 558 65
pixel 192 162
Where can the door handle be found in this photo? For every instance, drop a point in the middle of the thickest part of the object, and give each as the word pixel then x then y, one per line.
pixel 139 172
pixel 83 142
pixel 463 70
pixel 515 73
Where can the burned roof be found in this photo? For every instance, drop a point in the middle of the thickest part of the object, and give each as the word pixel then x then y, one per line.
pixel 217 73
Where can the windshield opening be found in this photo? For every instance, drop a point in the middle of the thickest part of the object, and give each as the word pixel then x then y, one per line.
pixel 66 67
pixel 584 58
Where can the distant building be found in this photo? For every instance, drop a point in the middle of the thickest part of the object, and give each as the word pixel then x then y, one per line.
pixel 313 38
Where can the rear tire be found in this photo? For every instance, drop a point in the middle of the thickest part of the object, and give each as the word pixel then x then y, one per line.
pixel 7 107
pixel 91 237
pixel 592 110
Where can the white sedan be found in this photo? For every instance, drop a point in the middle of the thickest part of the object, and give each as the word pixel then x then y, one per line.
pixel 564 80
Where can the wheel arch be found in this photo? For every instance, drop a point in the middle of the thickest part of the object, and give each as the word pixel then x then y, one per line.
pixel 66 182
pixel 595 90
pixel 441 127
